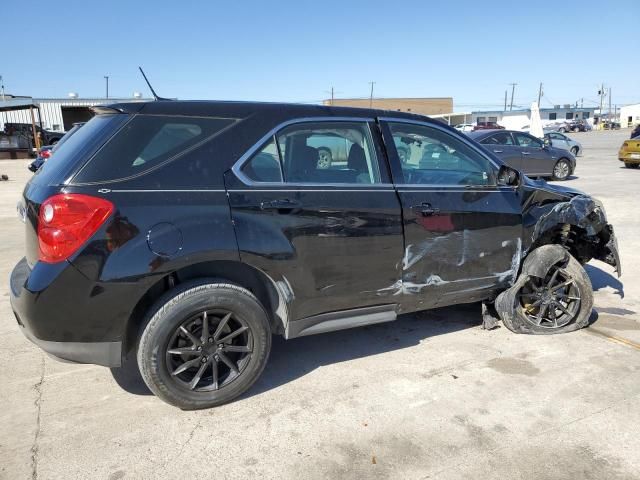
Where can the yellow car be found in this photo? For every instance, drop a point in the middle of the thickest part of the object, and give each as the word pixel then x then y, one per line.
pixel 630 153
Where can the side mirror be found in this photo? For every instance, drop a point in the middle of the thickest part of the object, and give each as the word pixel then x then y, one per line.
pixel 508 176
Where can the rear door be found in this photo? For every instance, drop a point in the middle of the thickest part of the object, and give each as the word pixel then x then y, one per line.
pixel 536 159
pixel 503 145
pixel 329 235
pixel 462 230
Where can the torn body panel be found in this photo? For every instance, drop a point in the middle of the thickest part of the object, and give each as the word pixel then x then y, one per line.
pixel 571 219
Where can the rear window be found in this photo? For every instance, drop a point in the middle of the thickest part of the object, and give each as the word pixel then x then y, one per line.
pixel 146 142
pixel 77 148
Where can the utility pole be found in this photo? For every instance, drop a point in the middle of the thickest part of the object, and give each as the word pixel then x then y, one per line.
pixel 505 100
pixel 513 89
pixel 609 103
pixel 333 92
pixel 601 93
pixel 2 87
pixel 106 77
pixel 539 94
pixel 371 95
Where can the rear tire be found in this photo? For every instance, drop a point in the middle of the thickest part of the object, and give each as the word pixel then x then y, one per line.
pixel 631 165
pixel 561 170
pixel 196 328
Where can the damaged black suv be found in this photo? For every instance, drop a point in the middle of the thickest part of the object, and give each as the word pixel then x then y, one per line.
pixel 187 233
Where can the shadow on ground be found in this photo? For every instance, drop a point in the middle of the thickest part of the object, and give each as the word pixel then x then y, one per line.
pixel 601 279
pixel 292 359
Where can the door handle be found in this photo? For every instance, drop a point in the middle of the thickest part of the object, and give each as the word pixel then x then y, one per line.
pixel 281 203
pixel 426 210
pixel 497 151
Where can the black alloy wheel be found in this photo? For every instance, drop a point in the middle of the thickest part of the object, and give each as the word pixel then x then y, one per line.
pixel 209 350
pixel 205 343
pixel 551 302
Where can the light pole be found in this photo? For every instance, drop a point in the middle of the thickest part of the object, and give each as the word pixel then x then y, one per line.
pixel 106 77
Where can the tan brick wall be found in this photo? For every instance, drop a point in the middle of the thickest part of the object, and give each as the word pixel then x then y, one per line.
pixel 424 106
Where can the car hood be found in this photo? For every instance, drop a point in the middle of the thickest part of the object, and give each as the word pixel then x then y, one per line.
pixel 549 209
pixel 544 186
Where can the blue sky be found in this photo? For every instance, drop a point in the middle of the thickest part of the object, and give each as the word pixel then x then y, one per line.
pixel 296 50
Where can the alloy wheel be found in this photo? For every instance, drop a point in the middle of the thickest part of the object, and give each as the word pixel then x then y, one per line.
pixel 561 170
pixel 551 302
pixel 209 350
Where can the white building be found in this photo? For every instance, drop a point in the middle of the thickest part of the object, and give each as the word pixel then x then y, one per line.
pixel 630 115
pixel 59 114
pixel 516 119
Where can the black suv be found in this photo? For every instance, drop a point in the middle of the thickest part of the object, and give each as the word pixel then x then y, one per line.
pixel 187 233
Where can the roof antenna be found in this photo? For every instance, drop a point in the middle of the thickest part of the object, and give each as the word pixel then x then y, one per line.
pixel 155 96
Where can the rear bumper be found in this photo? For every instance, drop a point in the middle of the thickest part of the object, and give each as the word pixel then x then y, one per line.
pixel 108 354
pixel 49 309
pixel 626 157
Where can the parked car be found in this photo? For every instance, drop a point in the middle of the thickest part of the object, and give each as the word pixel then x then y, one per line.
pixel 560 140
pixel 464 127
pixel 184 235
pixel 48 150
pixel 43 154
pixel 629 153
pixel 610 125
pixel 635 132
pixel 487 126
pixel 26 130
pixel 527 153
pixel 577 126
pixel 561 127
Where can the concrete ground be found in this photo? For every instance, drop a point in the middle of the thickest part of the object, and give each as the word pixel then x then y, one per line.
pixel 429 396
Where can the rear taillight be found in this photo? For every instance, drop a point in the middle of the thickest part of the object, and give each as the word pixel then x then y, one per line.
pixel 66 221
pixel 45 153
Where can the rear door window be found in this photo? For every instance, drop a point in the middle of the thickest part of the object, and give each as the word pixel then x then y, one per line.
pixel 147 142
pixel 502 138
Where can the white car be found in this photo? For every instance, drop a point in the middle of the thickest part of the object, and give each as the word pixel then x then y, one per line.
pixel 464 127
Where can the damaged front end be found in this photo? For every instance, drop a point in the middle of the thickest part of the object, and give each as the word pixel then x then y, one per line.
pixel 571 219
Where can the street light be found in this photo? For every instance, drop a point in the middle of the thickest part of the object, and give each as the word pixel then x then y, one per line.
pixel 106 77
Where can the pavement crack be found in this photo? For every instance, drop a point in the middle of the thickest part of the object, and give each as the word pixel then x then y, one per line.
pixel 38 404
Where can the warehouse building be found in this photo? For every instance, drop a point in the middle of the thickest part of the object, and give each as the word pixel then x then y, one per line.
pixel 630 115
pixel 58 114
pixel 422 106
pixel 517 119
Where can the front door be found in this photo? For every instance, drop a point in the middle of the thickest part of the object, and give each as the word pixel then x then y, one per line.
pixel 327 229
pixel 537 160
pixel 462 231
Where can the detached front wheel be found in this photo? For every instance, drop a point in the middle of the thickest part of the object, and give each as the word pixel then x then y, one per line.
pixel 552 295
pixel 205 345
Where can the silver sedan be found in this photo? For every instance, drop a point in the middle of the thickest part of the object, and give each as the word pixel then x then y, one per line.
pixel 560 140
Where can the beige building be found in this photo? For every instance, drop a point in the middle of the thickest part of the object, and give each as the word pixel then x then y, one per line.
pixel 423 106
